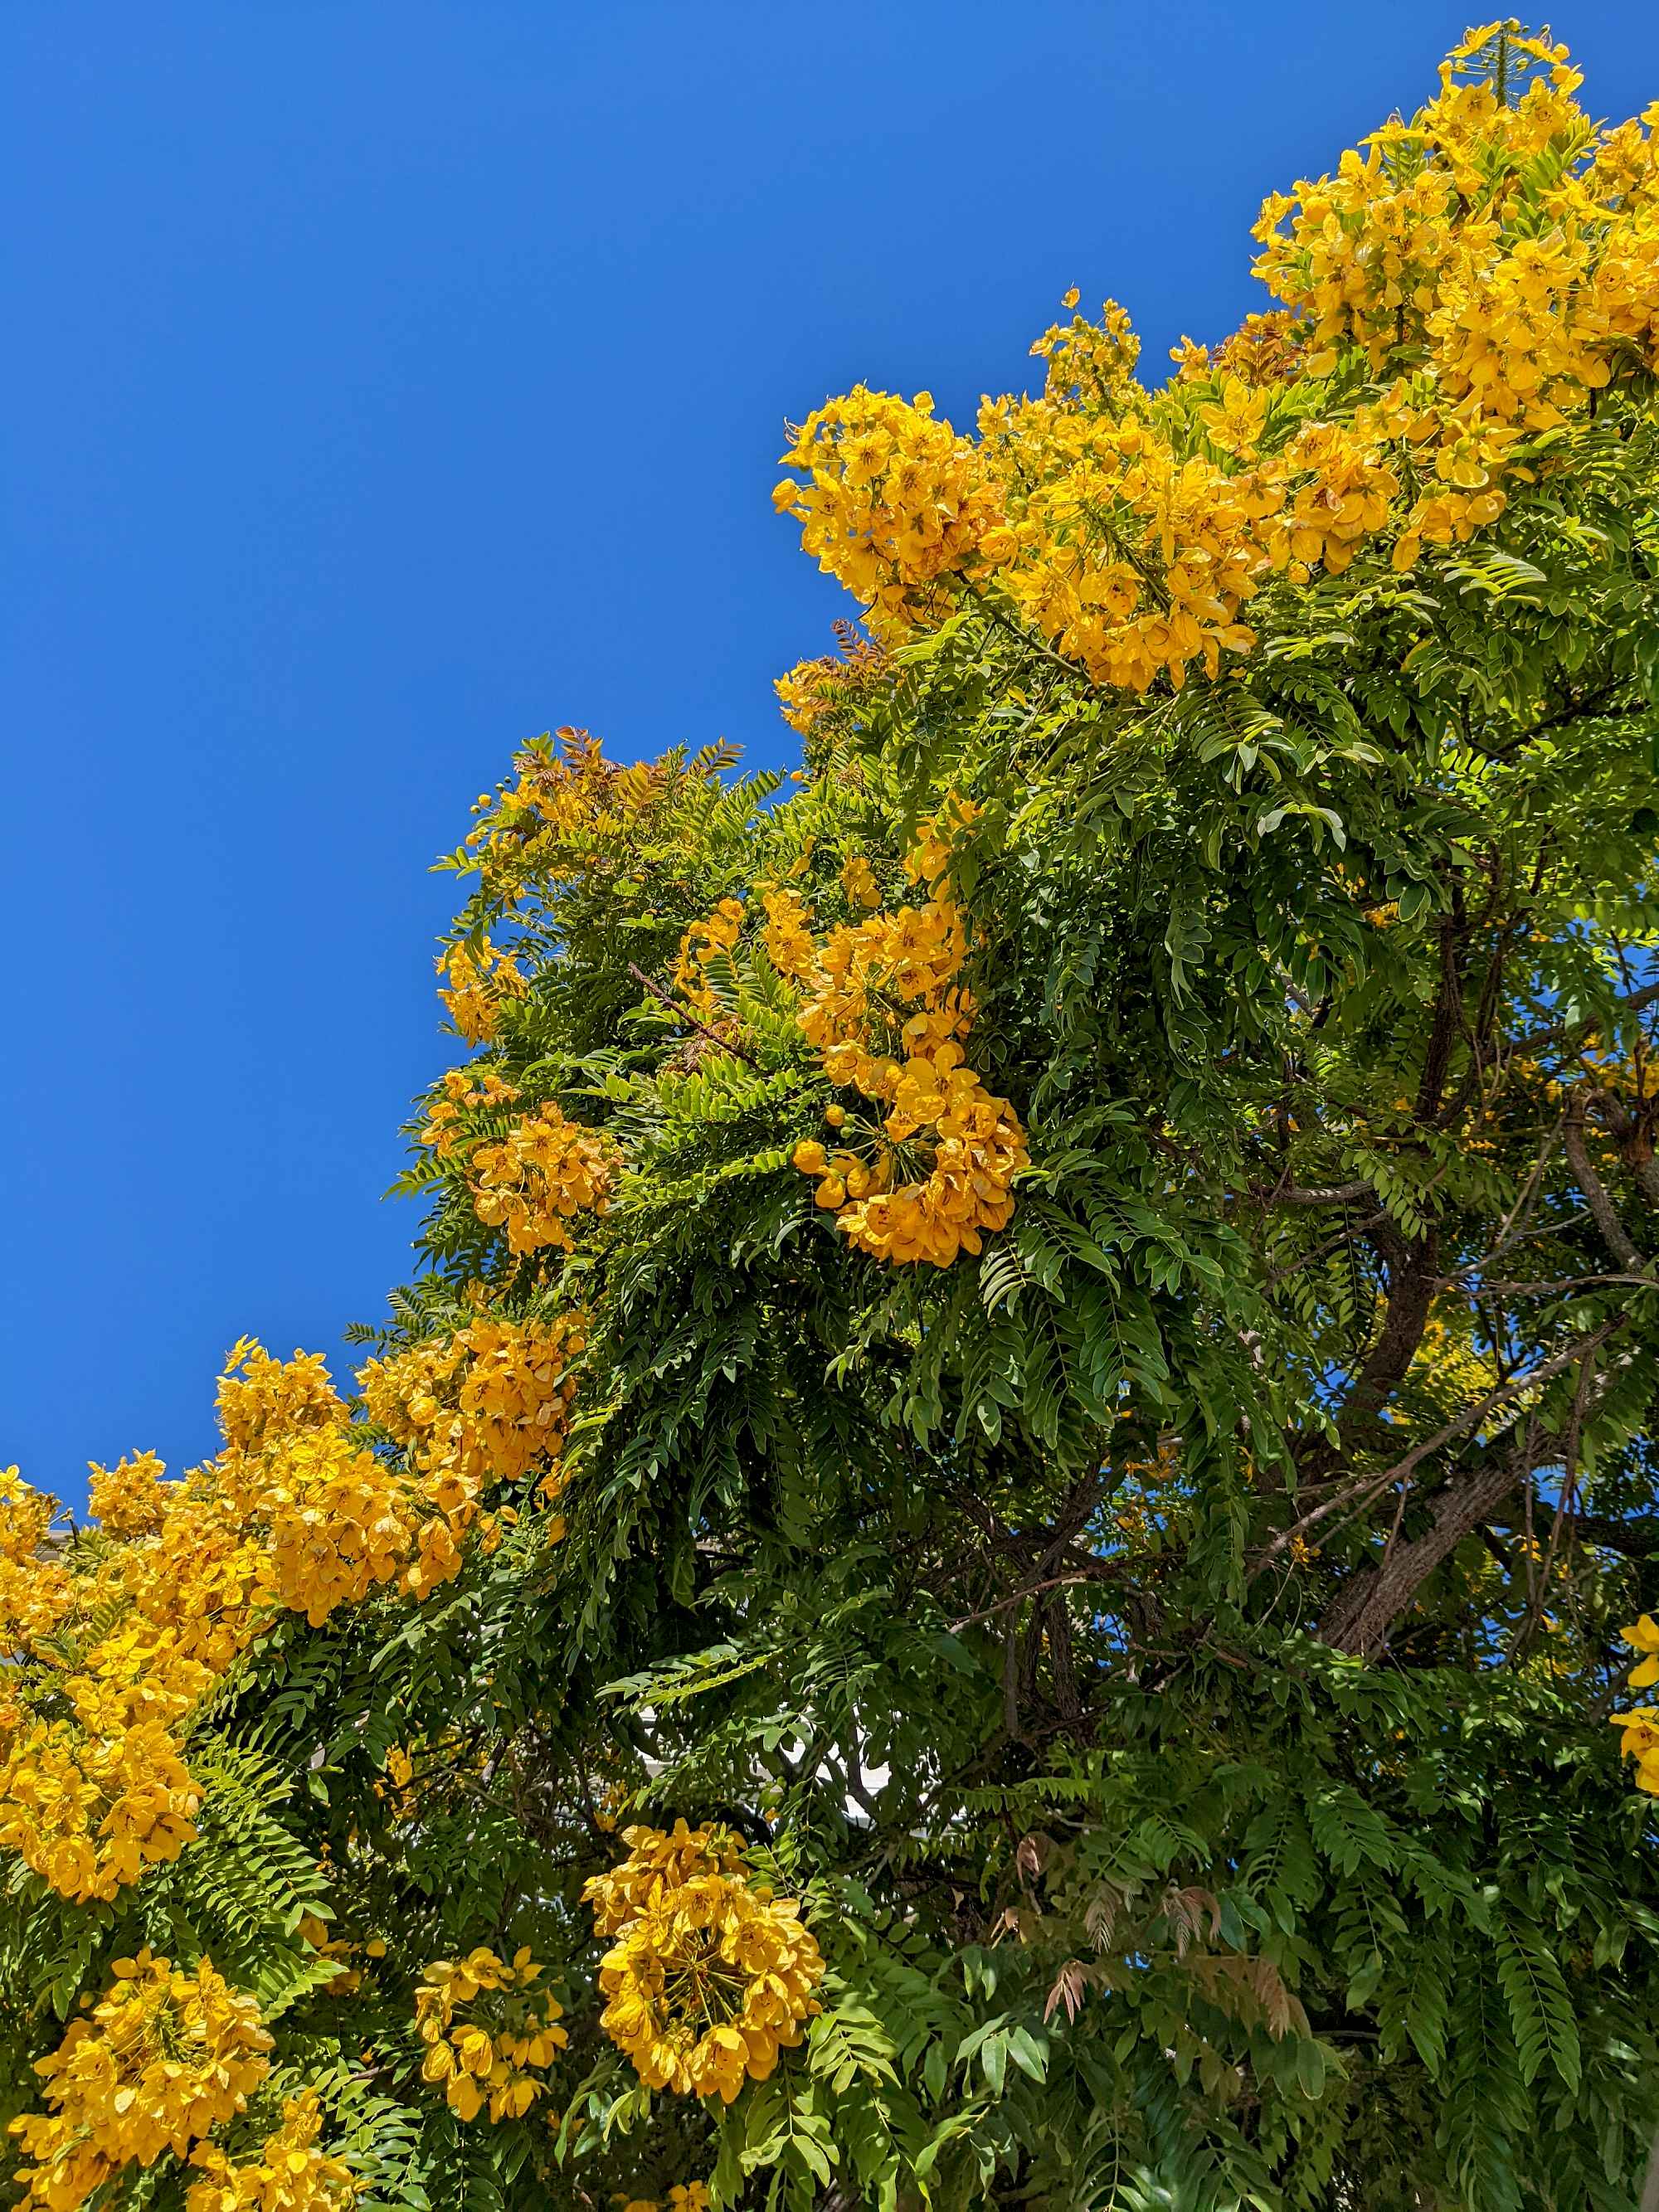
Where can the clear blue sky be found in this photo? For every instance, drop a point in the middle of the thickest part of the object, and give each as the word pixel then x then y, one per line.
pixel 385 383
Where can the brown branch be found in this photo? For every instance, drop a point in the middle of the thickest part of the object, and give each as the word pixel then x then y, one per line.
pixel 1414 1266
pixel 1367 1607
pixel 1563 1032
pixel 1291 1193
pixel 1101 1572
pixel 1364 1488
pixel 1633 1135
pixel 674 1007
pixel 1359 1620
pixel 1614 1234
pixel 1547 1289
pixel 1600 1532
pixel 1448 1018
pixel 1413 1277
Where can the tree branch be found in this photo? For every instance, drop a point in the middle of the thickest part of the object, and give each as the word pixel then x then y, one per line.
pixel 674 1007
pixel 1603 1211
pixel 1291 1193
pixel 1366 1608
pixel 1601 1532
pixel 1563 1032
pixel 1360 1491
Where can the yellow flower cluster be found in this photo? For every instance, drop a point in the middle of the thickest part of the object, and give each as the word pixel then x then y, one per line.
pixel 881 1004
pixel 885 1012
pixel 262 1400
pixel 1500 251
pixel 326 1520
pixel 1640 1740
pixel 659 1864
pixel 291 2173
pixel 713 938
pixel 883 984
pixel 462 1088
pixel 1487 268
pixel 858 880
pixel 496 2063
pixel 89 1807
pixel 36 1597
pixel 684 2197
pixel 788 933
pixel 571 811
pixel 480 982
pixel 709 1978
pixel 542 1173
pixel 338 1522
pixel 1089 362
pixel 35 1592
pixel 490 1404
pixel 128 1498
pixel 295 1513
pixel 89 1799
pixel 1127 554
pixel 164 2057
pixel 26 1516
pixel 895 499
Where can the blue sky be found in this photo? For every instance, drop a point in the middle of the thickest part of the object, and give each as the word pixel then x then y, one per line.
pixel 385 384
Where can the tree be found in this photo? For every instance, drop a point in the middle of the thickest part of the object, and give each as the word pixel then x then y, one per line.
pixel 988 1563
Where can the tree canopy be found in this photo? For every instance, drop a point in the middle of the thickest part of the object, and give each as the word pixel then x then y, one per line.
pixel 990 1559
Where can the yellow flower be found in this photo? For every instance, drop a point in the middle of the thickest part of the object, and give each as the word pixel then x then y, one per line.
pixel 89 1809
pixel 542 1173
pixel 859 882
pixel 787 935
pixel 709 1979
pixel 1458 286
pixel 1640 1741
pixel 480 982
pixel 291 2174
pixel 490 1403
pixel 163 2057
pixel 885 1013
pixel 493 2061
pixel 895 501
pixel 128 1498
pixel 1644 1639
pixel 261 1399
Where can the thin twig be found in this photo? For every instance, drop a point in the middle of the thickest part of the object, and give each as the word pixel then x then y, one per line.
pixel 674 1007
pixel 1523 1201
pixel 1546 1289
pixel 1393 1533
pixel 1566 1502
pixel 1036 1590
